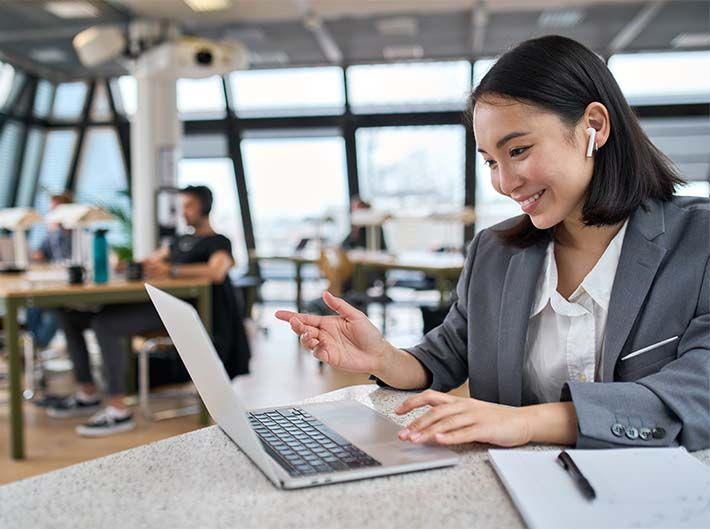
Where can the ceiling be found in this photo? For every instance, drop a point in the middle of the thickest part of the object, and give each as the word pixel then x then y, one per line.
pixel 282 33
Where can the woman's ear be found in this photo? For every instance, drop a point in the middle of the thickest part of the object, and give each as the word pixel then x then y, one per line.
pixel 597 117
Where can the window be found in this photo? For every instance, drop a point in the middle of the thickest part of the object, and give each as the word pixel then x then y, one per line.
pixel 30 166
pixel 128 92
pixel 412 167
pixel 218 175
pixel 7 72
pixel 9 156
pixel 685 141
pixel 288 92
pixel 54 170
pixel 101 179
pixel 43 99
pixel 69 101
pixel 412 172
pixel 294 184
pixel 100 109
pixel 655 78
pixel 101 174
pixel 201 98
pixel 409 86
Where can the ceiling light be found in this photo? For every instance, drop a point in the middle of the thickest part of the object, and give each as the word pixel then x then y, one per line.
pixel 48 55
pixel 403 52
pixel 208 5
pixel 560 18
pixel 691 40
pixel 68 9
pixel 397 26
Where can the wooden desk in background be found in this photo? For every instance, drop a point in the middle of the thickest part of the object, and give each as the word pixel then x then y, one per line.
pixel 37 290
pixel 445 267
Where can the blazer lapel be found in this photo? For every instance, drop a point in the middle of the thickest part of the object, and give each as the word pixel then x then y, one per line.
pixel 518 293
pixel 638 264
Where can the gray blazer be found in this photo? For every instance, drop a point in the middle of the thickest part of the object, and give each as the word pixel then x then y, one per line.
pixel 661 289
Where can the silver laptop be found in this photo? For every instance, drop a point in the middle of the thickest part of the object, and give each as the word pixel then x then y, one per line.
pixel 294 446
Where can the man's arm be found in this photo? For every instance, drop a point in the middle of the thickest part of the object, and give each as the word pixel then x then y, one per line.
pixel 216 268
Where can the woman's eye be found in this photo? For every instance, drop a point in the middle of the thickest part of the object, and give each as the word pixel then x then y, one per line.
pixel 517 151
pixel 489 163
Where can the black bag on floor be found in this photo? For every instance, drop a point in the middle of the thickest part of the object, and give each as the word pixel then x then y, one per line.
pixel 165 367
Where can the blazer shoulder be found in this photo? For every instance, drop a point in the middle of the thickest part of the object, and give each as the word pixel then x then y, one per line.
pixel 487 241
pixel 696 207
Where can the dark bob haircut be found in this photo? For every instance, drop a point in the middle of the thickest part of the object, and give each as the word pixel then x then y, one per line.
pixel 203 194
pixel 562 76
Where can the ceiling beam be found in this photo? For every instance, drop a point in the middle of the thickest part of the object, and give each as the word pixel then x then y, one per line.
pixel 313 23
pixel 635 26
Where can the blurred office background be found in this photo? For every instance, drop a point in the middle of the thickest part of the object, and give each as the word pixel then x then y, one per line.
pixel 341 98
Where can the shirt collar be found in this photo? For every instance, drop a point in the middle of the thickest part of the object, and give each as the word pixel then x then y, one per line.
pixel 599 281
pixel 597 284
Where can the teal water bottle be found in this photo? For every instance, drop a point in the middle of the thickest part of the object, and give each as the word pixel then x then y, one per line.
pixel 100 256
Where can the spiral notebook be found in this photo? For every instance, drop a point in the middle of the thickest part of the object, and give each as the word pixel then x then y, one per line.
pixel 638 488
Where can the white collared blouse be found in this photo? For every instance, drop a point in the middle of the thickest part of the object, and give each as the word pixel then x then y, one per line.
pixel 565 337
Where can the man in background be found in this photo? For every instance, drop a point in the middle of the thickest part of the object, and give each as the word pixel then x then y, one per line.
pixel 203 253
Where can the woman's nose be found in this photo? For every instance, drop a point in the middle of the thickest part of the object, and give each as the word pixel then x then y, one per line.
pixel 508 180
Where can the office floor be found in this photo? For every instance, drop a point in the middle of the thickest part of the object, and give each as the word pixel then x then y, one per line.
pixel 281 373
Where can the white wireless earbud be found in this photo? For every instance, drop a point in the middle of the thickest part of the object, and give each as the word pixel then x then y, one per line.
pixel 592 145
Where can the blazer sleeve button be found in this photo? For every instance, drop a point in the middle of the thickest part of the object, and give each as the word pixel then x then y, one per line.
pixel 658 433
pixel 618 429
pixel 632 433
pixel 645 434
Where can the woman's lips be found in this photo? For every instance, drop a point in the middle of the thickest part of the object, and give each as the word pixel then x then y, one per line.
pixel 530 204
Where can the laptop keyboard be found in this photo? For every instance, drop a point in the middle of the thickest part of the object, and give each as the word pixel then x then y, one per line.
pixel 305 446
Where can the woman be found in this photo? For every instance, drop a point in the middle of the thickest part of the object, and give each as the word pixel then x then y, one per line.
pixel 584 321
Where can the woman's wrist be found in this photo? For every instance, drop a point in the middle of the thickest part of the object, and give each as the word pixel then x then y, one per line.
pixel 400 369
pixel 554 423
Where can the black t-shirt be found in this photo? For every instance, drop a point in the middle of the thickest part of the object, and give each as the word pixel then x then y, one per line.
pixel 228 331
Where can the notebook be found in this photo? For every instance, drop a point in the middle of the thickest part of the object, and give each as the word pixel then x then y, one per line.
pixel 646 488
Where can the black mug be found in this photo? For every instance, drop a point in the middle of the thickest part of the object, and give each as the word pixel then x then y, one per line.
pixel 76 274
pixel 134 270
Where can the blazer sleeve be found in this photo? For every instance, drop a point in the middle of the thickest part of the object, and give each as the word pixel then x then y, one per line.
pixel 673 403
pixel 444 350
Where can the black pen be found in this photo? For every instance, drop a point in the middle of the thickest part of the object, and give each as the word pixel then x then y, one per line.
pixel 566 462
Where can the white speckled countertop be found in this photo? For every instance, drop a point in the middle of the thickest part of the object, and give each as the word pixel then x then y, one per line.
pixel 201 479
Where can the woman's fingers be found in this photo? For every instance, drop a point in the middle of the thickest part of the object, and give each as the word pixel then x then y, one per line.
pixel 299 328
pixel 431 417
pixel 444 425
pixel 428 397
pixel 472 433
pixel 321 353
pixel 341 307
pixel 287 316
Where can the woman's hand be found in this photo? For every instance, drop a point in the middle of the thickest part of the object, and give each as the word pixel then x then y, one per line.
pixel 456 420
pixel 348 341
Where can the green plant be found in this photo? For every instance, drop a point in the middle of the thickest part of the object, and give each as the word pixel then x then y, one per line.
pixel 120 209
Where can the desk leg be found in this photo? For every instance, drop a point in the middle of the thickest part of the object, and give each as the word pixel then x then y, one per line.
pixel 17 442
pixel 299 281
pixel 204 308
pixel 442 286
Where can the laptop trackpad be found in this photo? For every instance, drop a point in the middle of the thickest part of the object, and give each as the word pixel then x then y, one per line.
pixel 354 421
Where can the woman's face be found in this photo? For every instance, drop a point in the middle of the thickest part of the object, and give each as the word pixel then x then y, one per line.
pixel 534 158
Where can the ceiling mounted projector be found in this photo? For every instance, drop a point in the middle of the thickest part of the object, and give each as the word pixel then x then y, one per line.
pixel 148 52
pixel 192 57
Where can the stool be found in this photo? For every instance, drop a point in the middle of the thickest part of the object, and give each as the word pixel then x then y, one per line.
pixel 154 342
